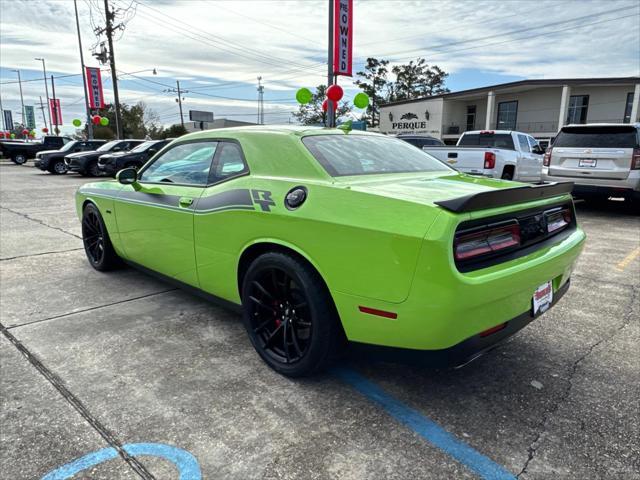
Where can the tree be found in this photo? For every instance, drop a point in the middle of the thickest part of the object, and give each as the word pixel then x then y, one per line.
pixel 138 121
pixel 174 131
pixel 312 114
pixel 417 80
pixel 375 84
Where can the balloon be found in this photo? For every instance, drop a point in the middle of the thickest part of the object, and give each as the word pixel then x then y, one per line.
pixel 361 100
pixel 335 92
pixel 325 105
pixel 13 135
pixel 304 95
pixel 96 119
pixel 104 121
pixel 45 130
pixel 25 132
pixel 77 122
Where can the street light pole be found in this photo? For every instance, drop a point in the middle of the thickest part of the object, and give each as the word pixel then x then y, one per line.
pixel 46 90
pixel 109 16
pixel 84 76
pixel 21 97
pixel 180 103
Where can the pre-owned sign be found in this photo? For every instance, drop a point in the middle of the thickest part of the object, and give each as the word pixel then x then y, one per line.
pixel 342 37
pixel 94 86
pixel 56 111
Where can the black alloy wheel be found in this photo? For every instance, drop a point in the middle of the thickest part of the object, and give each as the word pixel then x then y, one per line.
pixel 92 169
pixel 289 315
pixel 95 238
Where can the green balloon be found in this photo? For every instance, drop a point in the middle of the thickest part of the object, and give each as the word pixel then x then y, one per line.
pixel 77 122
pixel 32 132
pixel 13 135
pixel 304 95
pixel 361 100
pixel 104 121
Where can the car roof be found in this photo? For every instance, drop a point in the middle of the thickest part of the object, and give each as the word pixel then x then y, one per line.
pixel 293 130
pixel 587 125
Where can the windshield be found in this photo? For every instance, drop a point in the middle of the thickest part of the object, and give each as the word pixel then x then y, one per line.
pixel 489 139
pixel 143 146
pixel 365 155
pixel 68 146
pixel 597 137
pixel 108 146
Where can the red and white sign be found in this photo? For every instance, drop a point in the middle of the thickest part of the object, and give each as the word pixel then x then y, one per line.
pixel 342 37
pixel 56 111
pixel 94 86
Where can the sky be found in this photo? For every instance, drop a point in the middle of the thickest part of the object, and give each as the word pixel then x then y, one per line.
pixel 217 49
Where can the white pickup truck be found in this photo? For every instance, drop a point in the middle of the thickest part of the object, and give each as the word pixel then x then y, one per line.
pixel 494 153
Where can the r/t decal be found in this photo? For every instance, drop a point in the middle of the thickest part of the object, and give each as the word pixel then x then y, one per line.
pixel 263 198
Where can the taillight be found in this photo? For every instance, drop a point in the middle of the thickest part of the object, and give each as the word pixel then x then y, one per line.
pixel 489 160
pixel 635 159
pixel 487 241
pixel 546 160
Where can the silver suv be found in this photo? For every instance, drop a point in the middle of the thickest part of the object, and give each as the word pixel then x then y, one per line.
pixel 601 159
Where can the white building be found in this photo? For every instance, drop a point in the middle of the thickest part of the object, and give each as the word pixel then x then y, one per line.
pixel 537 107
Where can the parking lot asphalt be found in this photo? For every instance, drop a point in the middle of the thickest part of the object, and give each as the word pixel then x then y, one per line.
pixel 94 362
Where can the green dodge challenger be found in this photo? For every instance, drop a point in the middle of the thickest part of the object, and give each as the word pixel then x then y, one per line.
pixel 324 235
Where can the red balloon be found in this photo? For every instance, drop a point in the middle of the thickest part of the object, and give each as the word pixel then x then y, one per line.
pixel 335 93
pixel 45 130
pixel 25 132
pixel 325 105
pixel 96 119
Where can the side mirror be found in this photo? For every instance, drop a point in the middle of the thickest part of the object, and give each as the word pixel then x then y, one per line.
pixel 127 176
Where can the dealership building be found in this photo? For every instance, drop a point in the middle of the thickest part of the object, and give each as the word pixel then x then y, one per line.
pixel 537 107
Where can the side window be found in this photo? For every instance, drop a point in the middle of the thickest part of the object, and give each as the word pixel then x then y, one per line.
pixel 187 163
pixel 524 145
pixel 533 143
pixel 229 163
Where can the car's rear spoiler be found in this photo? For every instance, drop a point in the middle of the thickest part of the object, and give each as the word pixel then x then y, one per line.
pixel 506 196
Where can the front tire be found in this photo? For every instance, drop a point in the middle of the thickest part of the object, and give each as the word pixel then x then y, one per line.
pixel 97 244
pixel 19 159
pixel 289 315
pixel 58 168
pixel 92 170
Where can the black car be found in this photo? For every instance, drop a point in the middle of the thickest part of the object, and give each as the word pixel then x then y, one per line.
pixel 53 160
pixel 420 140
pixel 19 152
pixel 86 163
pixel 111 163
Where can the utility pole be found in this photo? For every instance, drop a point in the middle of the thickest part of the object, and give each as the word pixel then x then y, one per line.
pixel 330 111
pixel 21 98
pixel 179 91
pixel 260 102
pixel 46 89
pixel 54 108
pixel 84 77
pixel 109 15
pixel 180 103
pixel 42 109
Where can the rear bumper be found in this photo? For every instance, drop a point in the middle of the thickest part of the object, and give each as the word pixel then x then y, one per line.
pixel 461 353
pixel 597 185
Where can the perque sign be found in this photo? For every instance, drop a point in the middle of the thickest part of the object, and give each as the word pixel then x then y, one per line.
pixel 342 37
pixel 94 86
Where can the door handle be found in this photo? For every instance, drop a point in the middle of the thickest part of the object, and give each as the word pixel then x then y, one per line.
pixel 185 202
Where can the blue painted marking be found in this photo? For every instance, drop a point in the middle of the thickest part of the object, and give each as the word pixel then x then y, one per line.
pixel 426 428
pixel 186 463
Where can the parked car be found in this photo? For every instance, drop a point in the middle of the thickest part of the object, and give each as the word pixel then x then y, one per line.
pixel 494 153
pixel 602 160
pixel 318 234
pixel 86 163
pixel 53 160
pixel 111 163
pixel 420 140
pixel 19 152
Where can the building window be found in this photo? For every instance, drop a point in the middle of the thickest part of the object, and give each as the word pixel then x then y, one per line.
pixel 507 114
pixel 578 105
pixel 627 108
pixel 471 117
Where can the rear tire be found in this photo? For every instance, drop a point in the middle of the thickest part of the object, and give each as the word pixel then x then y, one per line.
pixel 289 315
pixel 58 168
pixel 97 244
